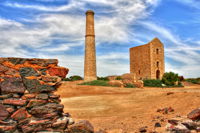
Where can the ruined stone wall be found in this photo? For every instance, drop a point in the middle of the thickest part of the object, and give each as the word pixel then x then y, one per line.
pixel 147 61
pixel 27 100
pixel 140 61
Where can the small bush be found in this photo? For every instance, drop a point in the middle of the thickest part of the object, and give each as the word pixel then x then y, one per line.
pixel 129 86
pixel 170 78
pixel 118 78
pixel 73 78
pixel 66 79
pixel 103 78
pixel 96 83
pixel 194 80
pixel 152 83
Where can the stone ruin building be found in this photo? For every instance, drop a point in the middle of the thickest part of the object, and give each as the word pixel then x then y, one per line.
pixel 90 50
pixel 147 61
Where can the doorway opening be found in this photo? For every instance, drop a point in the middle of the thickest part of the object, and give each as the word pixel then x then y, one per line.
pixel 158 74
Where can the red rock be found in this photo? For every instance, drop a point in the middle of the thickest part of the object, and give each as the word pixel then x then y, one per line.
pixel 28 96
pixel 5 128
pixel 36 125
pixel 3 69
pixel 3 112
pixel 4 123
pixel 117 83
pixel 54 96
pixel 139 84
pixel 60 123
pixel 5 96
pixel 36 102
pixel 51 115
pixel 13 101
pixel 166 110
pixel 39 122
pixel 194 115
pixel 44 62
pixel 81 126
pixel 48 108
pixel 128 78
pixel 58 71
pixel 51 79
pixel 20 114
pixel 12 72
pixel 27 129
pixel 23 122
pixel 42 96
pixel 12 85
pixel 10 110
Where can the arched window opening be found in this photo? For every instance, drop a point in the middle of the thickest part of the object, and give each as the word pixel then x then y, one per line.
pixel 157 51
pixel 157 64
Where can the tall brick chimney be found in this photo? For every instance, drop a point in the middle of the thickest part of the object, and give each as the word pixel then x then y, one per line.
pixel 90 50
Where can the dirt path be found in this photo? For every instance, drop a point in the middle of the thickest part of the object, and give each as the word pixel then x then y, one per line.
pixel 123 110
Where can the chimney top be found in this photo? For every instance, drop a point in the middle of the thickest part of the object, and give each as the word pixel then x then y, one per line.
pixel 89 12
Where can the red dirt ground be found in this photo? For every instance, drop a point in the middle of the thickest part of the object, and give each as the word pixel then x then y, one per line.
pixel 125 110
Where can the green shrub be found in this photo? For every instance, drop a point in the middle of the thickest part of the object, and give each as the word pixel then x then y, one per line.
pixel 194 80
pixel 73 78
pixel 96 83
pixel 170 78
pixel 152 83
pixel 118 78
pixel 66 79
pixel 103 78
pixel 129 85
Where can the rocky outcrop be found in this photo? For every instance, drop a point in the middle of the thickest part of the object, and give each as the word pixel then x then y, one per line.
pixel 128 78
pixel 82 126
pixel 116 83
pixel 188 124
pixel 27 100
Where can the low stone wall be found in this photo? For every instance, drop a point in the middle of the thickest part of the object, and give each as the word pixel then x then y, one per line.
pixel 27 101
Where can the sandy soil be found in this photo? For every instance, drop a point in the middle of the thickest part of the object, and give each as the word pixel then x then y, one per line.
pixel 125 110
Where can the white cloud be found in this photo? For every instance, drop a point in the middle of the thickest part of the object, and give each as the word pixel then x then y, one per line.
pixel 70 6
pixel 106 65
pixel 112 26
pixel 60 48
pixel 164 32
pixel 181 51
pixel 114 56
pixel 188 71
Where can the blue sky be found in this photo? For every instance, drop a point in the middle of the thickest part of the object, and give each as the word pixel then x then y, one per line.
pixel 55 29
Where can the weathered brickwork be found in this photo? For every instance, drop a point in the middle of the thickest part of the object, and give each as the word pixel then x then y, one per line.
pixel 90 51
pixel 147 61
pixel 28 99
pixel 28 103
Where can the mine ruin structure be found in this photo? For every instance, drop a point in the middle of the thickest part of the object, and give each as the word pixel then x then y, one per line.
pixel 90 51
pixel 147 61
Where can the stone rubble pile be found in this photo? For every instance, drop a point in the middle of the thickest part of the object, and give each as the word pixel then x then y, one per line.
pixel 165 110
pixel 27 100
pixel 124 80
pixel 189 124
